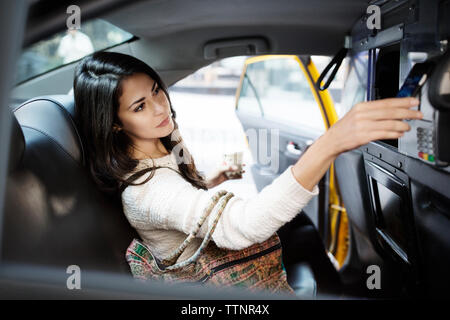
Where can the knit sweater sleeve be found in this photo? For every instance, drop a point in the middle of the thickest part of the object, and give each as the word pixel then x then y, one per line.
pixel 169 202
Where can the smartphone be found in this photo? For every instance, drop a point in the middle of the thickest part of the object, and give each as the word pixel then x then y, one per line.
pixel 415 79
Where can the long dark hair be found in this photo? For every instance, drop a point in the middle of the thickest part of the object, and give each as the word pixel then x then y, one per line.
pixel 97 89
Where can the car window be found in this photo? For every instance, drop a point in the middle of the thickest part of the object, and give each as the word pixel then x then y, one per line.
pixel 205 106
pixel 248 101
pixel 349 85
pixel 355 84
pixel 277 89
pixel 68 46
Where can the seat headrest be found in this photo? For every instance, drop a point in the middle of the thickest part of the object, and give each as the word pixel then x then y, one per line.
pixel 53 116
pixel 16 145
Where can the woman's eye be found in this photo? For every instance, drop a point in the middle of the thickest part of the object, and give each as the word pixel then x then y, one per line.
pixel 139 108
pixel 157 90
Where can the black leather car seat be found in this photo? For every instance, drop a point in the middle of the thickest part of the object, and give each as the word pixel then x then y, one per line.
pixel 308 267
pixel 54 214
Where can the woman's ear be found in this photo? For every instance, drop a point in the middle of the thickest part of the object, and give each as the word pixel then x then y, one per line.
pixel 116 128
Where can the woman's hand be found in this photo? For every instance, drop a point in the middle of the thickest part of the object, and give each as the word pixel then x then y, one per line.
pixel 374 120
pixel 365 122
pixel 221 174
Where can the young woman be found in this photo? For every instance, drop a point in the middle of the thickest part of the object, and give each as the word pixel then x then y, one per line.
pixel 129 128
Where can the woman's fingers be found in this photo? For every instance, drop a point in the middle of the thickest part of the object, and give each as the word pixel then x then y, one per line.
pixel 391 113
pixel 389 125
pixel 380 135
pixel 393 103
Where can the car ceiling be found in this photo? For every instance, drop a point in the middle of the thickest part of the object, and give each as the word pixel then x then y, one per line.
pixel 177 30
pixel 172 33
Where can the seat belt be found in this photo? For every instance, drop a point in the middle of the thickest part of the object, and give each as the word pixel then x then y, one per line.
pixel 335 63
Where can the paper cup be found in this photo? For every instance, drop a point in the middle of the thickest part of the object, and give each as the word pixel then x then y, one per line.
pixel 233 159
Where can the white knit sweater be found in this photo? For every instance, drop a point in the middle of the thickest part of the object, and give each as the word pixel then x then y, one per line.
pixel 166 208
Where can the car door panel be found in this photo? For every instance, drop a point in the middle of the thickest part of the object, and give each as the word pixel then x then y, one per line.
pixel 259 129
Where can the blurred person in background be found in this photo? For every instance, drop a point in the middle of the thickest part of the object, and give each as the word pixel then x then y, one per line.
pixel 74 45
